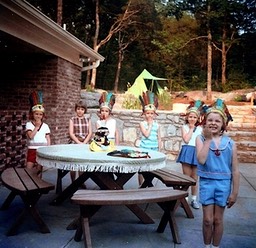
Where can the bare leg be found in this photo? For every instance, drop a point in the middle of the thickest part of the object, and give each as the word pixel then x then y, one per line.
pixel 186 168
pixel 37 167
pixel 208 215
pixel 194 176
pixel 141 179
pixel 218 225
pixel 39 170
pixel 30 165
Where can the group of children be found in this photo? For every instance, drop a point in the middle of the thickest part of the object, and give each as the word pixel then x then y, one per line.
pixel 206 152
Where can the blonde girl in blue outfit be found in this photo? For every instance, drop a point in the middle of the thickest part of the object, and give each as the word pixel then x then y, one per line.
pixel 150 130
pixel 218 171
pixel 187 156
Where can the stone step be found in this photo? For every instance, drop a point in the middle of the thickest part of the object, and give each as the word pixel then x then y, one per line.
pixel 244 118
pixel 246 146
pixel 237 110
pixel 241 136
pixel 251 127
pixel 246 157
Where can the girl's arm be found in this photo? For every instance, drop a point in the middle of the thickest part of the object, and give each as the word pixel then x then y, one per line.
pixel 202 149
pixel 186 136
pixel 146 131
pixel 71 132
pixel 88 138
pixel 48 138
pixel 235 178
pixel 31 133
pixel 116 137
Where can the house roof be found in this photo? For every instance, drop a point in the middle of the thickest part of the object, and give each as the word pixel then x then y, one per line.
pixel 21 20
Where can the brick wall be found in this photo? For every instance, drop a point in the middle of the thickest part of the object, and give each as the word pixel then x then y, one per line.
pixel 60 82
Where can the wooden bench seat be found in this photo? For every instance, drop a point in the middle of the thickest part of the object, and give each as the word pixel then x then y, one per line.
pixel 173 179
pixel 29 187
pixel 90 202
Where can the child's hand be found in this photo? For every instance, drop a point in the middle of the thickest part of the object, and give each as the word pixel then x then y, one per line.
pixel 231 200
pixel 150 121
pixel 38 123
pixel 191 126
pixel 207 133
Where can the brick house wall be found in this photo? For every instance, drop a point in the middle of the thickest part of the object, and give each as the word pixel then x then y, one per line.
pixel 60 82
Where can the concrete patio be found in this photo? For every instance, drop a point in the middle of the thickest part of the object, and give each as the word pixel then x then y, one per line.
pixel 118 227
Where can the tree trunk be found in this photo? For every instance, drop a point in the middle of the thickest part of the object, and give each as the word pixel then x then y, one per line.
pixel 119 64
pixel 223 59
pixel 59 12
pixel 95 41
pixel 209 62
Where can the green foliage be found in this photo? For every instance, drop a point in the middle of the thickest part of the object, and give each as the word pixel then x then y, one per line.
pixel 165 100
pixel 89 88
pixel 171 41
pixel 131 102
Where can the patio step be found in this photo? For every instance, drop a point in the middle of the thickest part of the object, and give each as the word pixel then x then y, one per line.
pixel 243 131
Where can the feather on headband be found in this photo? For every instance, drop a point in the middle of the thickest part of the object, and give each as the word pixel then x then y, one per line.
pixel 149 101
pixel 36 101
pixel 107 100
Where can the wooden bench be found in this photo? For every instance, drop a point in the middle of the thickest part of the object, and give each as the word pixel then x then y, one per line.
pixel 90 202
pixel 29 187
pixel 173 179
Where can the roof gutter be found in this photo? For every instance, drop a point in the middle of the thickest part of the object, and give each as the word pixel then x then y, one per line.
pixel 93 66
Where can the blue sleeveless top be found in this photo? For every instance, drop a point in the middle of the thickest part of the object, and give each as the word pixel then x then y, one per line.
pixel 150 142
pixel 218 164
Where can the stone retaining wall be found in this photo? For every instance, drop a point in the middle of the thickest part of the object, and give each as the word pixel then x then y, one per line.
pixel 128 127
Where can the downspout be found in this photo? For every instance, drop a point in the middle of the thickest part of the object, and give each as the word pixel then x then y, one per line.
pixel 93 66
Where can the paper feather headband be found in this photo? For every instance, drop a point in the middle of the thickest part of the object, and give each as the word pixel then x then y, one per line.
pixel 196 107
pixel 220 107
pixel 107 100
pixel 36 101
pixel 148 101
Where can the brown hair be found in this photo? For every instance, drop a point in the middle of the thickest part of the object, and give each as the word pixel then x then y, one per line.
pixel 81 104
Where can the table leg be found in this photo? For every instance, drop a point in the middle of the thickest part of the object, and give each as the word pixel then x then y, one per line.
pixel 60 175
pixel 71 189
pixel 106 181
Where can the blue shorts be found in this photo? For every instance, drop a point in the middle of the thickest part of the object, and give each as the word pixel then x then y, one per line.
pixel 213 191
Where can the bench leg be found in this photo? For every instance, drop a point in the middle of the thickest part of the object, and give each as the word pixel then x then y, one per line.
pixel 87 235
pixel 83 228
pixel 13 229
pixel 30 201
pixel 168 216
pixel 187 208
pixel 8 201
pixel 38 219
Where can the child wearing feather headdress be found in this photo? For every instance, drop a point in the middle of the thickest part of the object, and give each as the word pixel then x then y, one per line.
pixel 218 171
pixel 187 156
pixel 38 132
pixel 149 127
pixel 106 102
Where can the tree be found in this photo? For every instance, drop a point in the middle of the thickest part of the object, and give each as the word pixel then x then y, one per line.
pixel 123 21
pixel 123 43
pixel 59 12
